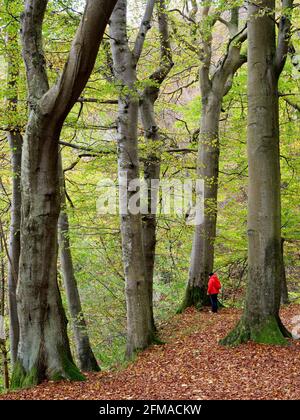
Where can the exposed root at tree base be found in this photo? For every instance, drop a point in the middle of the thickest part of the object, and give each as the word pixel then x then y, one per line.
pixel 268 331
pixel 23 379
pixel 88 362
pixel 196 297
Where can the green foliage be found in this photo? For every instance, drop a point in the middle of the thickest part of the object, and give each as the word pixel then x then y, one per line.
pixel 95 238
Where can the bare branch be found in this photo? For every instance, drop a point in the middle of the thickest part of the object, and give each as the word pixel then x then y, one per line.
pixel 188 18
pixel 288 101
pixel 98 101
pixel 86 149
pixel 225 22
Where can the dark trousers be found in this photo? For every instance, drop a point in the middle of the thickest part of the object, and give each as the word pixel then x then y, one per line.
pixel 214 302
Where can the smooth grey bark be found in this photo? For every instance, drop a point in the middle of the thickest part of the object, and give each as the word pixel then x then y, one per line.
pixel 15 142
pixel 283 49
pixel 260 321
pixel 139 319
pixel 85 355
pixel 44 351
pixel 284 288
pixel 153 140
pixel 2 313
pixel 213 89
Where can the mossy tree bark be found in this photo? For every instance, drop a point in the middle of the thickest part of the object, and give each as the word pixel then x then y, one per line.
pixel 43 351
pixel 260 321
pixel 214 86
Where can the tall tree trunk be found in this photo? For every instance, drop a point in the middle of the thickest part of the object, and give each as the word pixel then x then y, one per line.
pixel 213 89
pixel 44 351
pixel 202 257
pixel 139 325
pixel 2 313
pixel 151 173
pixel 260 321
pixel 15 141
pixel 284 287
pixel 139 320
pixel 86 358
pixel 153 141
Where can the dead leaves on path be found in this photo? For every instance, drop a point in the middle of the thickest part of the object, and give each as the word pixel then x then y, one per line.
pixel 191 365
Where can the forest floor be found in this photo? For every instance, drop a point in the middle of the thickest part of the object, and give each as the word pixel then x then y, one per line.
pixel 191 365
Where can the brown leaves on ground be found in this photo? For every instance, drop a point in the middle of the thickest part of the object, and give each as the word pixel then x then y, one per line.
pixel 191 365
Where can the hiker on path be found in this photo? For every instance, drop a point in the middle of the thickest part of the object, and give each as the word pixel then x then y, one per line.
pixel 214 287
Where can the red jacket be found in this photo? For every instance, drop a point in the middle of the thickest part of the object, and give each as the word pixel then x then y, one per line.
pixel 214 285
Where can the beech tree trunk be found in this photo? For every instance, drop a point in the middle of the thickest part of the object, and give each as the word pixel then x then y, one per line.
pixel 151 172
pixel 43 347
pixel 15 141
pixel 139 319
pixel 3 349
pixel 44 351
pixel 153 141
pixel 213 89
pixel 260 321
pixel 202 257
pixel 86 358
pixel 284 288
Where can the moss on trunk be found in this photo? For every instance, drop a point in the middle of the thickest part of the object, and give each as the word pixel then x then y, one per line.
pixel 268 331
pixel 21 379
pixel 194 296
pixel 240 334
pixel 89 363
pixel 67 370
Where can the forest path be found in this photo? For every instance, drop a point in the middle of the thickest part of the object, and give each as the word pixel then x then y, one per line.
pixel 191 365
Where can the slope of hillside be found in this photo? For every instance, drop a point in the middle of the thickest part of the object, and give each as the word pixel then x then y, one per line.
pixel 191 365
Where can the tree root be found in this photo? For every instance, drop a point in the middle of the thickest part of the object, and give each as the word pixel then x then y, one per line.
pixel 268 331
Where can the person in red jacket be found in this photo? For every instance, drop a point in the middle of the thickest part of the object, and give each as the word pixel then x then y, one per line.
pixel 214 287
